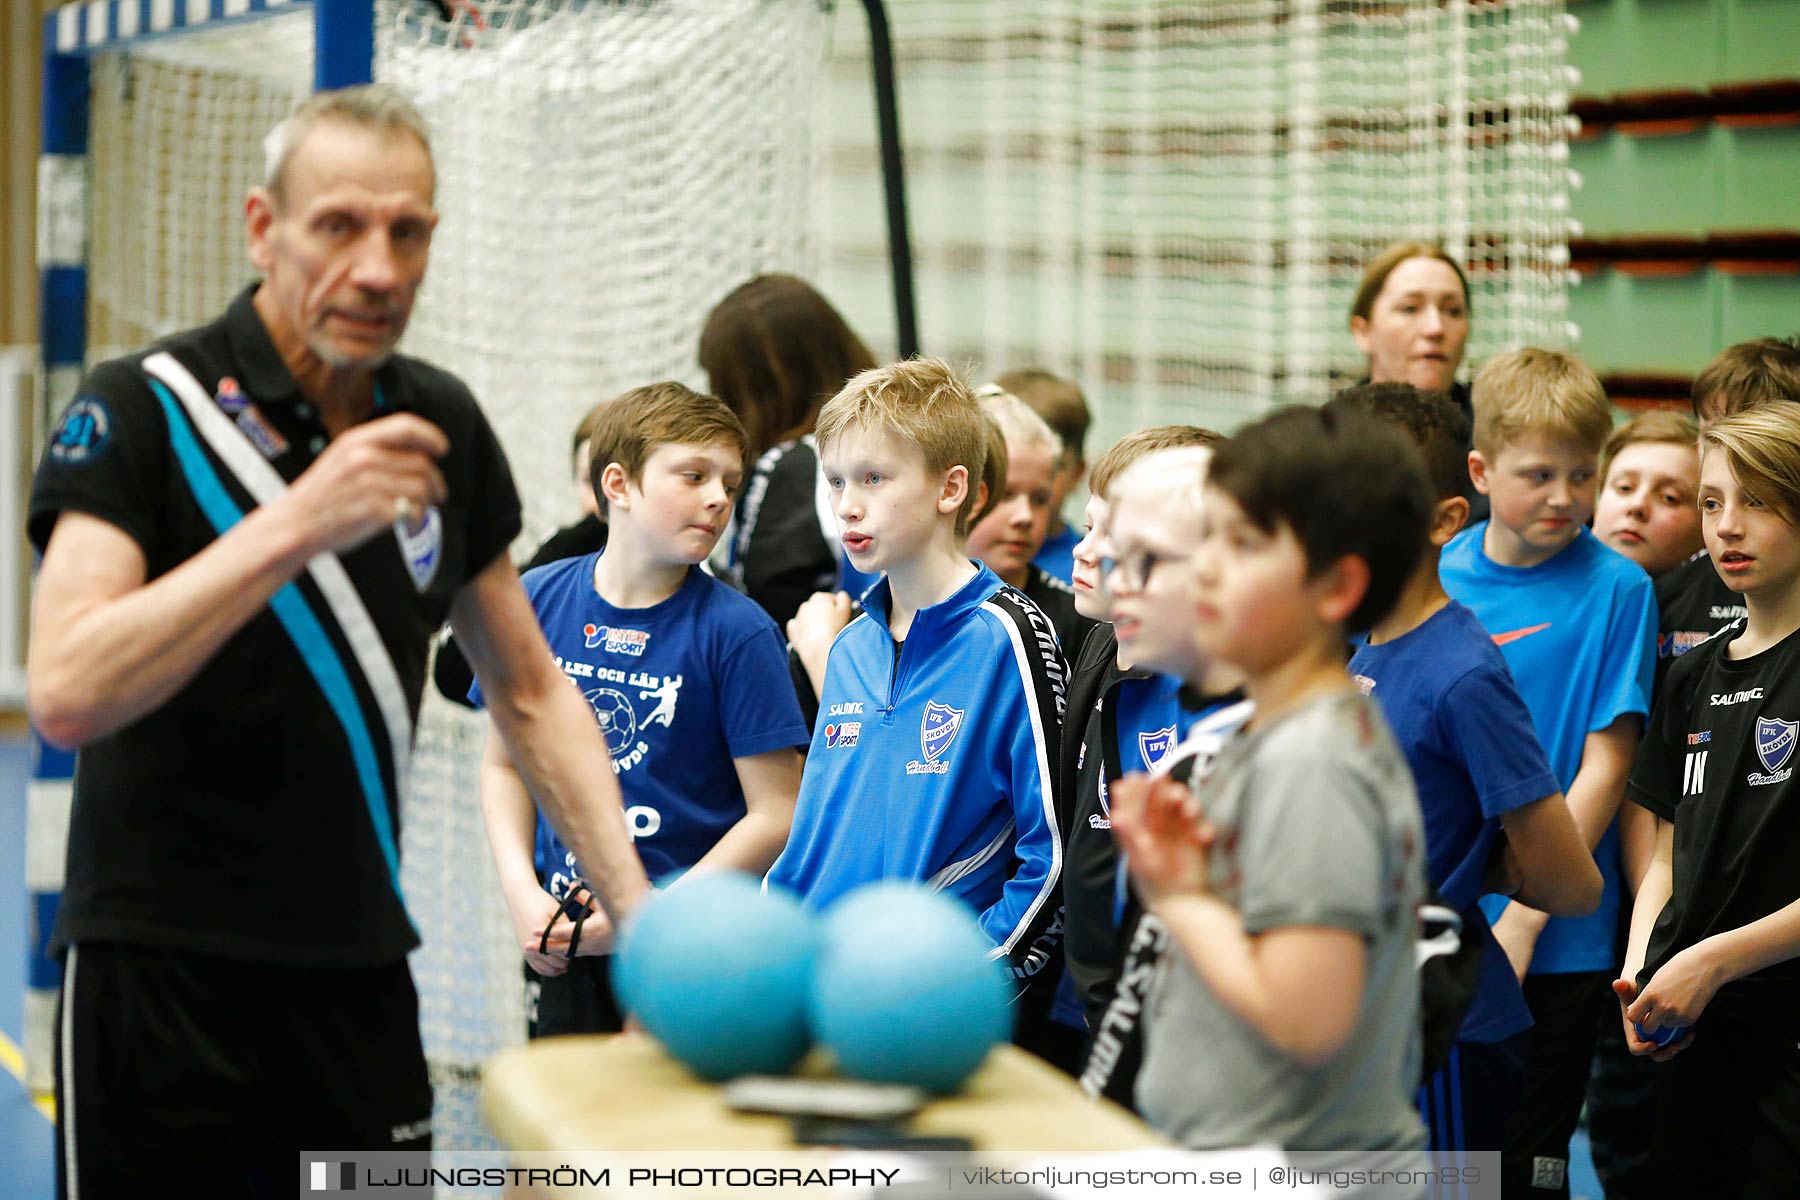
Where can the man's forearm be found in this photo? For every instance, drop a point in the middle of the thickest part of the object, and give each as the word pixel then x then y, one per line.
pixel 549 733
pixel 96 670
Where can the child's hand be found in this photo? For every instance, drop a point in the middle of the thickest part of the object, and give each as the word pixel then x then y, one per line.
pixel 1627 993
pixel 547 930
pixel 531 913
pixel 1517 932
pixel 1157 823
pixel 818 620
pixel 1679 991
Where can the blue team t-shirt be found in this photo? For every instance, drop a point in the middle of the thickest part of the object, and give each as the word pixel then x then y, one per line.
pixel 1057 555
pixel 1448 697
pixel 1579 634
pixel 680 689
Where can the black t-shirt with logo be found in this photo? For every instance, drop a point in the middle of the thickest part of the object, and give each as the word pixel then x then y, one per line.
pixel 1057 601
pixel 255 813
pixel 1692 604
pixel 1719 760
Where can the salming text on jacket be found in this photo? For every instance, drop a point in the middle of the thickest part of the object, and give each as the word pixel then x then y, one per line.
pixel 938 764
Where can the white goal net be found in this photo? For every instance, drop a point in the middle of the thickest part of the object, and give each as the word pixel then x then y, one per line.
pixel 1171 201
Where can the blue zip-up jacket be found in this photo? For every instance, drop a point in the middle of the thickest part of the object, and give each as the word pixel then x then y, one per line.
pixel 938 764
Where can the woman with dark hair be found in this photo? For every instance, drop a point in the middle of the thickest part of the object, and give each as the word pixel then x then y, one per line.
pixel 774 350
pixel 1411 319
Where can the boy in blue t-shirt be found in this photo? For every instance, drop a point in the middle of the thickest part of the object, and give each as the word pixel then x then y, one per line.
pixel 941 707
pixel 1577 624
pixel 687 678
pixel 1492 805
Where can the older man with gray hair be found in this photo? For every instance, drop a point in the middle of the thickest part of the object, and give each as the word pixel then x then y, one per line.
pixel 250 532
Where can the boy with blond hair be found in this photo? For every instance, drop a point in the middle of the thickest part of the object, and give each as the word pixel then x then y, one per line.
pixel 1693 603
pixel 686 677
pixel 1576 622
pixel 1124 716
pixel 948 683
pixel 1711 983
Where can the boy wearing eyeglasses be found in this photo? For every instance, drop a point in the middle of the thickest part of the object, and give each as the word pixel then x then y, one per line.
pixel 1138 708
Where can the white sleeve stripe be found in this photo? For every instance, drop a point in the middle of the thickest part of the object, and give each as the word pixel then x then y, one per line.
pixel 71 1161
pixel 958 870
pixel 1040 747
pixel 265 484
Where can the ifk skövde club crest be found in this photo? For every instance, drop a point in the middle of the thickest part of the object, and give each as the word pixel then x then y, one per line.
pixel 1775 742
pixel 938 729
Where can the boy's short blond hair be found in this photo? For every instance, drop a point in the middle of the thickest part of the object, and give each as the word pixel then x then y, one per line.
pixel 923 402
pixel 1539 393
pixel 1133 446
pixel 1057 400
pixel 1762 447
pixel 1659 426
pixel 1020 425
pixel 1176 476
pixel 630 429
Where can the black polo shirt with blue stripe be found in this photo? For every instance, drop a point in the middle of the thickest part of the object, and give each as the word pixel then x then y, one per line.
pixel 255 814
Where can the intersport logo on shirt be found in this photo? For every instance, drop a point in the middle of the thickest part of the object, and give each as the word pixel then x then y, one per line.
pixel 615 640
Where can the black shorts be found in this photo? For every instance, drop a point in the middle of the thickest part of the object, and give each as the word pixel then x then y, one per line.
pixel 1728 1114
pixel 216 1074
pixel 580 1000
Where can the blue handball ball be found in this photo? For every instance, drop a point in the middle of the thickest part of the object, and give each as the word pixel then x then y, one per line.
pixel 719 970
pixel 904 991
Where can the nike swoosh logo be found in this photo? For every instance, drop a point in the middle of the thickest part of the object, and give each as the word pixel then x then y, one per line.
pixel 1513 635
